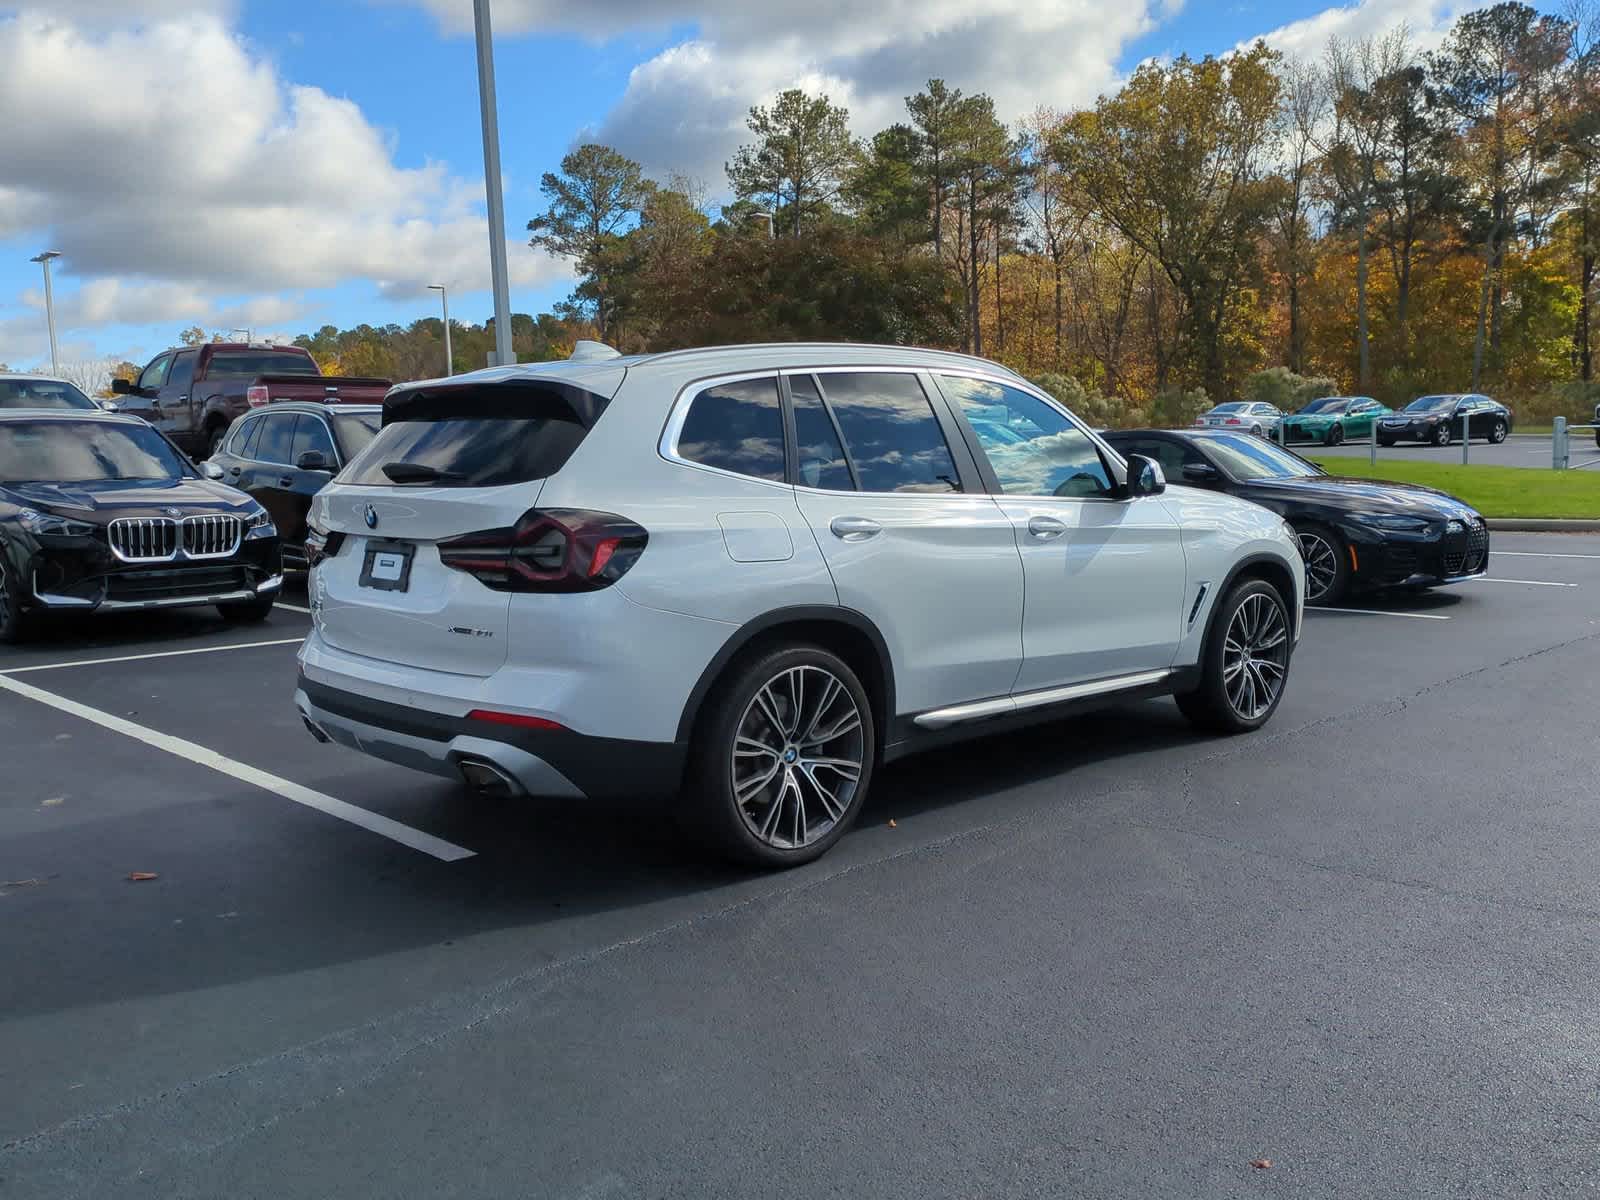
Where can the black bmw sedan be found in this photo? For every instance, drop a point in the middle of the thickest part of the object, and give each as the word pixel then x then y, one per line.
pixel 1355 534
pixel 100 512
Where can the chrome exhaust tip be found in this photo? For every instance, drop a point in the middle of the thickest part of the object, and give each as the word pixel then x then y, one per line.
pixel 487 779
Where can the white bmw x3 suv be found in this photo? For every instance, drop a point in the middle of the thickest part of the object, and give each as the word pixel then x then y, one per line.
pixel 747 576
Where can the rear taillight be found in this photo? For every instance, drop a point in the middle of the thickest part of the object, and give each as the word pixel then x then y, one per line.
pixel 256 396
pixel 1233 421
pixel 321 545
pixel 549 550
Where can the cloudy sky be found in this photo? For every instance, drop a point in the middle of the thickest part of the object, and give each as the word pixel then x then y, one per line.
pixel 282 164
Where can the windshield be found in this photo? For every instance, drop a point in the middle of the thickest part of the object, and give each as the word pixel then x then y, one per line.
pixel 85 452
pixel 1252 458
pixel 1228 408
pixel 355 430
pixel 1430 403
pixel 42 393
pixel 1328 404
pixel 237 363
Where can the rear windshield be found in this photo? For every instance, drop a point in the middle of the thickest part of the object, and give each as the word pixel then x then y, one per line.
pixel 1228 408
pixel 237 363
pixel 487 435
pixel 42 393
pixel 84 452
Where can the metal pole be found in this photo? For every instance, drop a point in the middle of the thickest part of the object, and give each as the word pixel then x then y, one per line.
pixel 50 310
pixel 504 355
pixel 1466 435
pixel 1558 444
pixel 444 300
pixel 1372 441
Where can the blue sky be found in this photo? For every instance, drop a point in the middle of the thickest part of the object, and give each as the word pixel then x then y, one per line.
pixel 324 163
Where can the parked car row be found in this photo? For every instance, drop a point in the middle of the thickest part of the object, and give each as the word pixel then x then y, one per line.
pixel 1330 420
pixel 747 576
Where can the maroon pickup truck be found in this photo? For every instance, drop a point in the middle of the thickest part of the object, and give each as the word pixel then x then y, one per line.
pixel 193 393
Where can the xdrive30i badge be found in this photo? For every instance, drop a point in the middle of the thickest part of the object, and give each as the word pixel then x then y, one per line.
pixel 468 631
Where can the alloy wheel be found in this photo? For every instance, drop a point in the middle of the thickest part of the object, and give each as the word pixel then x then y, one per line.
pixel 1497 433
pixel 1255 656
pixel 1322 564
pixel 797 755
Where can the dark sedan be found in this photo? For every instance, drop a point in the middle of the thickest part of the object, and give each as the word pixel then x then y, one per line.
pixel 1446 418
pixel 100 512
pixel 285 453
pixel 1355 534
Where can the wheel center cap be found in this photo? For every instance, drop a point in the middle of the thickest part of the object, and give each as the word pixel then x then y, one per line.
pixel 790 755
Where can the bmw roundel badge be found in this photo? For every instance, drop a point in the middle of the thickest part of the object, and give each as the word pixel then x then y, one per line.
pixel 371 517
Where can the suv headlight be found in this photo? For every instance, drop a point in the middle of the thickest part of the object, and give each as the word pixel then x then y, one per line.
pixel 259 524
pixel 49 523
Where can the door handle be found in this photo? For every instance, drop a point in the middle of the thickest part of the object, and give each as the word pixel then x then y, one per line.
pixel 1045 528
pixel 234 470
pixel 854 529
pixel 285 481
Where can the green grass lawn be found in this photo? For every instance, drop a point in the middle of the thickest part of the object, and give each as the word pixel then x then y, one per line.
pixel 1493 491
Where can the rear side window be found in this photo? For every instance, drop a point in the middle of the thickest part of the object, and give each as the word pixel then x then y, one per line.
pixel 821 455
pixel 277 437
pixel 894 439
pixel 252 441
pixel 736 427
pixel 486 435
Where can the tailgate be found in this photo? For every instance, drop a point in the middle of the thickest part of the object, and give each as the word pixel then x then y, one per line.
pixel 442 619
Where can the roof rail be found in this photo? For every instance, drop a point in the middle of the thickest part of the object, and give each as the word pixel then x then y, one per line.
pixel 586 350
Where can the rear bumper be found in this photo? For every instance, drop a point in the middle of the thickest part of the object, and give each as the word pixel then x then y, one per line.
pixel 538 762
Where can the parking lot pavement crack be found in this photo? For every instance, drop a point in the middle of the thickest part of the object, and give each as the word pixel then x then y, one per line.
pixel 203 1116
pixel 1421 885
pixel 1386 707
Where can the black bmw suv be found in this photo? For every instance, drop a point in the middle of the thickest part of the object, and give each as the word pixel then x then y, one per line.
pixel 100 512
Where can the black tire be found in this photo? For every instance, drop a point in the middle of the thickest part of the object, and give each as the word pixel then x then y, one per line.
pixel 1334 436
pixel 736 714
pixel 247 612
pixel 214 437
pixel 1327 561
pixel 15 625
pixel 1441 435
pixel 1597 439
pixel 1213 706
pixel 1383 441
pixel 1497 432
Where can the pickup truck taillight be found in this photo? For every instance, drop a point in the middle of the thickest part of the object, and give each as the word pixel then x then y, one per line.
pixel 549 550
pixel 256 396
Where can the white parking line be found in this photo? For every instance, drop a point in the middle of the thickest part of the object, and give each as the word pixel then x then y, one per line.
pixel 1524 582
pixel 1376 612
pixel 122 658
pixel 289 790
pixel 291 607
pixel 1539 554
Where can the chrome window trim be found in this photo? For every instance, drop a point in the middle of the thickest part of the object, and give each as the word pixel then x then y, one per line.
pixel 239 437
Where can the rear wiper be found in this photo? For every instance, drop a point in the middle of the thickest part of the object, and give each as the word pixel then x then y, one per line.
pixel 404 472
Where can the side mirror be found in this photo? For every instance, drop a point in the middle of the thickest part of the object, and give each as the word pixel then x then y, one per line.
pixel 312 460
pixel 122 387
pixel 1145 477
pixel 211 471
pixel 1199 472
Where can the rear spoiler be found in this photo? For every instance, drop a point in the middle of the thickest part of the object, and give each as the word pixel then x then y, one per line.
pixel 503 399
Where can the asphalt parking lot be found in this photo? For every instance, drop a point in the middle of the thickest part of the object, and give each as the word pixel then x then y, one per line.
pixel 1102 958
pixel 1516 451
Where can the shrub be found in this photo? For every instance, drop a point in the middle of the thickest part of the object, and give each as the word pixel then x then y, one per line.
pixel 1282 387
pixel 1174 408
pixel 1574 400
pixel 1097 410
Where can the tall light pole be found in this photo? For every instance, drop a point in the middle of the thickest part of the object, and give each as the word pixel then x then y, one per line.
pixel 503 354
pixel 249 334
pixel 444 299
pixel 50 306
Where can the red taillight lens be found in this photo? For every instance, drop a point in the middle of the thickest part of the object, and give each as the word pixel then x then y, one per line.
pixel 1233 421
pixel 549 550
pixel 320 546
pixel 256 396
pixel 520 720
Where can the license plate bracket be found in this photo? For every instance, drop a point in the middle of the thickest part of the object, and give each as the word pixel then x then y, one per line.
pixel 387 566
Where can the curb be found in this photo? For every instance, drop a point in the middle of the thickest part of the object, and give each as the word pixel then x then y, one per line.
pixel 1542 525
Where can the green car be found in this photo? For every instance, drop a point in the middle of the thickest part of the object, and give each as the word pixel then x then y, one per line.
pixel 1332 419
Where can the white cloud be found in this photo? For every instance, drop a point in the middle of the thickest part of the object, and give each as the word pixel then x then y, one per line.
pixel 1426 20
pixel 174 167
pixel 684 109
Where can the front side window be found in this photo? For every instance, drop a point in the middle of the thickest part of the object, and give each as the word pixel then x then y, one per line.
pixel 736 427
pixel 277 438
pixel 821 455
pixel 894 439
pixel 68 451
pixel 1170 453
pixel 155 374
pixel 1034 450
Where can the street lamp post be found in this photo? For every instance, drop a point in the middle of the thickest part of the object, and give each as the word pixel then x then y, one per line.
pixel 503 353
pixel 444 299
pixel 249 334
pixel 50 306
